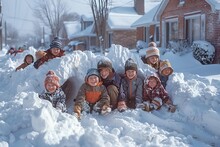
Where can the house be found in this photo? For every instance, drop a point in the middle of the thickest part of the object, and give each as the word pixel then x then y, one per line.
pixel 85 38
pixel 119 30
pixel 147 28
pixel 187 20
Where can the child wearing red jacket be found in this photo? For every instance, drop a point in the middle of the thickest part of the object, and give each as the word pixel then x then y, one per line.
pixel 28 59
pixel 54 51
pixel 154 95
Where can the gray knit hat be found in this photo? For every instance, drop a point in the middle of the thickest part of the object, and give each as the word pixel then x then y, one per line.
pixel 130 65
pixel 92 71
pixel 104 63
pixel 56 43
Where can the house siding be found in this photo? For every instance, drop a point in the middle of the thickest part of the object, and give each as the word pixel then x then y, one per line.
pixel 126 38
pixel 212 34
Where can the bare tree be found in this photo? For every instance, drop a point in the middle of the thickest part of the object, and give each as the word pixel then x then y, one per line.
pixel 100 14
pixel 52 13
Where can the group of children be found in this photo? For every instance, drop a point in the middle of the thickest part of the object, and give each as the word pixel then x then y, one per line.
pixel 105 90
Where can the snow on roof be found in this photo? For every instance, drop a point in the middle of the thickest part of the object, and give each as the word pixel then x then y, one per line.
pixel 72 27
pixel 122 18
pixel 87 32
pixel 147 18
pixel 215 4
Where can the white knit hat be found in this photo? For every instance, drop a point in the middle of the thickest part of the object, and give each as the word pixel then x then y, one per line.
pixel 152 51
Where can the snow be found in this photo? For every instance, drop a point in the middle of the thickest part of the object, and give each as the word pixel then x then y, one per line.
pixel 26 120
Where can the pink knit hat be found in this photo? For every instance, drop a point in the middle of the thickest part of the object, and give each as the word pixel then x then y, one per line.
pixel 52 78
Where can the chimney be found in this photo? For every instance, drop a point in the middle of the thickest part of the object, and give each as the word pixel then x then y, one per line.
pixel 139 6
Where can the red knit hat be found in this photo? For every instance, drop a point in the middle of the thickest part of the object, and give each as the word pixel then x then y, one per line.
pixel 52 78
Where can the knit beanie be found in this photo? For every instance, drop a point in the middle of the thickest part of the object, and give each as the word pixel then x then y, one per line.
pixel 152 51
pixel 104 63
pixel 92 71
pixel 130 65
pixel 163 65
pixel 56 43
pixel 39 54
pixel 52 78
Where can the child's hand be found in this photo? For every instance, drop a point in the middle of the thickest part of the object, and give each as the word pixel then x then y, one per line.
pixel 122 106
pixel 77 111
pixel 172 108
pixel 105 109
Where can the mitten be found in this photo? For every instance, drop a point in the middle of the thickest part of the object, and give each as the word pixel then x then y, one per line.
pixel 148 106
pixel 157 103
pixel 122 106
pixel 105 109
pixel 172 108
pixel 77 111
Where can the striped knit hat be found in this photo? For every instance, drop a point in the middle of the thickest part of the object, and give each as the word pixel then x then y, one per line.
pixel 152 51
pixel 163 65
pixel 52 78
pixel 56 43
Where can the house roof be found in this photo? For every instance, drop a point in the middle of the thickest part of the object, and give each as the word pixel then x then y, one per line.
pixel 121 18
pixel 72 27
pixel 87 32
pixel 147 18
pixel 215 5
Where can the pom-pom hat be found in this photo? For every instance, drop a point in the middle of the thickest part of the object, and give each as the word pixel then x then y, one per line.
pixel 52 78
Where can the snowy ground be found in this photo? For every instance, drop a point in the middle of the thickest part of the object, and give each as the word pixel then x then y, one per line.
pixel 27 121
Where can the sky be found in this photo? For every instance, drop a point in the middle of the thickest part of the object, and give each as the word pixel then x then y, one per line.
pixel 19 12
pixel 26 120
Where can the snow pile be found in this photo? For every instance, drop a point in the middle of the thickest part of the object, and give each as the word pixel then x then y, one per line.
pixel 27 120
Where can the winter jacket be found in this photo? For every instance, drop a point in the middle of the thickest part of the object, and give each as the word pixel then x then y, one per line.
pixel 92 95
pixel 22 66
pixel 57 99
pixel 47 57
pixel 131 91
pixel 157 92
pixel 113 79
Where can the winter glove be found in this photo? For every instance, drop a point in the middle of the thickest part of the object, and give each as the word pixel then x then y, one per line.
pixel 148 106
pixel 77 111
pixel 172 108
pixel 122 106
pixel 105 109
pixel 157 103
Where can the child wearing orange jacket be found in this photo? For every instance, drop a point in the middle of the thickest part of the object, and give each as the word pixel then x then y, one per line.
pixel 92 95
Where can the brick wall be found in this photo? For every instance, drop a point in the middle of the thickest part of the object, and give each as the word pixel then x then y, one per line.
pixel 126 38
pixel 212 34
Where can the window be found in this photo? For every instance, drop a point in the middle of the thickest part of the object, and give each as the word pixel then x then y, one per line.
pixel 171 29
pixel 194 27
pixel 157 33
